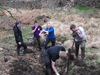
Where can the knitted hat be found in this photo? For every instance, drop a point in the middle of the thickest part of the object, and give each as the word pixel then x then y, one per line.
pixel 18 22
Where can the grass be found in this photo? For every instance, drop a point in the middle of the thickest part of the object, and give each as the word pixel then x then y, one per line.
pixel 1 68
pixel 26 32
pixel 83 8
pixel 50 44
pixel 91 63
pixel 71 71
pixel 62 39
pixel 87 50
pixel 2 54
pixel 6 6
pixel 10 39
pixel 85 12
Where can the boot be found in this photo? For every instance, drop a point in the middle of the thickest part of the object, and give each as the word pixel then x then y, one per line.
pixel 25 53
pixel 49 71
pixel 18 52
pixel 40 48
pixel 83 53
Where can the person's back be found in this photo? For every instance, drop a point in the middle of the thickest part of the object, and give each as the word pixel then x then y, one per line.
pixel 53 52
pixel 51 55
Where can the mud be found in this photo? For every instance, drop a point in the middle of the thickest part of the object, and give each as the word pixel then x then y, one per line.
pixel 34 64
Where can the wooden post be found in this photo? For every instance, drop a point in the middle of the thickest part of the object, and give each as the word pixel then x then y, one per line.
pixel 69 53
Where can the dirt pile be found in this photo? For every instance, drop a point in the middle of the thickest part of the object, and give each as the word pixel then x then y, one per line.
pixel 28 16
pixel 25 66
pixel 34 64
pixel 84 69
pixel 31 65
pixel 6 22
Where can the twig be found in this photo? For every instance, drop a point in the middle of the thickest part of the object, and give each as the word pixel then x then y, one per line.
pixel 69 51
pixel 9 13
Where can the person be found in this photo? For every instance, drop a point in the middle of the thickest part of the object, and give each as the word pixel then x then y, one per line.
pixel 49 31
pixel 19 38
pixel 80 39
pixel 51 55
pixel 36 30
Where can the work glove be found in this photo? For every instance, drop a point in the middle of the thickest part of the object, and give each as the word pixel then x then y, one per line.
pixel 57 74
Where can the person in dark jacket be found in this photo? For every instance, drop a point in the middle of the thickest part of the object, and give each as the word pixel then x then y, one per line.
pixel 51 55
pixel 19 38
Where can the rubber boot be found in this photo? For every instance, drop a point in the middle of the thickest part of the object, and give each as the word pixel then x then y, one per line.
pixel 25 53
pixel 49 71
pixel 18 52
pixel 40 48
pixel 83 53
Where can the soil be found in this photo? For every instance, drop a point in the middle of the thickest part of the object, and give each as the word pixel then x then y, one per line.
pixel 34 64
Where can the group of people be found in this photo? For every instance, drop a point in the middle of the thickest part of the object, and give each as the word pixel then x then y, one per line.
pixel 54 52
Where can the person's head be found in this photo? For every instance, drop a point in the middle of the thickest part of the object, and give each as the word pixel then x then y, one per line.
pixel 63 54
pixel 18 23
pixel 48 25
pixel 73 27
pixel 35 23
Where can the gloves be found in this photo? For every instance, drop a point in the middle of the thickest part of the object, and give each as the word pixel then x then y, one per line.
pixel 57 74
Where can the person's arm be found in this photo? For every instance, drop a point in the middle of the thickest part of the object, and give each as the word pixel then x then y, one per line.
pixel 46 31
pixel 34 29
pixel 51 30
pixel 17 36
pixel 54 68
pixel 41 32
pixel 80 36
pixel 82 33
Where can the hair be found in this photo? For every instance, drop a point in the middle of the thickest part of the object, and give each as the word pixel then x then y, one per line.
pixel 35 22
pixel 72 26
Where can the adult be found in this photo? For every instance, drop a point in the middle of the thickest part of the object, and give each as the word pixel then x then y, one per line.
pixel 19 38
pixel 49 31
pixel 36 30
pixel 80 39
pixel 51 55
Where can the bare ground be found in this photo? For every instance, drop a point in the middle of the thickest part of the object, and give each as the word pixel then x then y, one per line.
pixel 34 64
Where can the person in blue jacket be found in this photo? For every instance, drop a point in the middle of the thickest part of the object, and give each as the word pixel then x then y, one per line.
pixel 49 31
pixel 19 38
